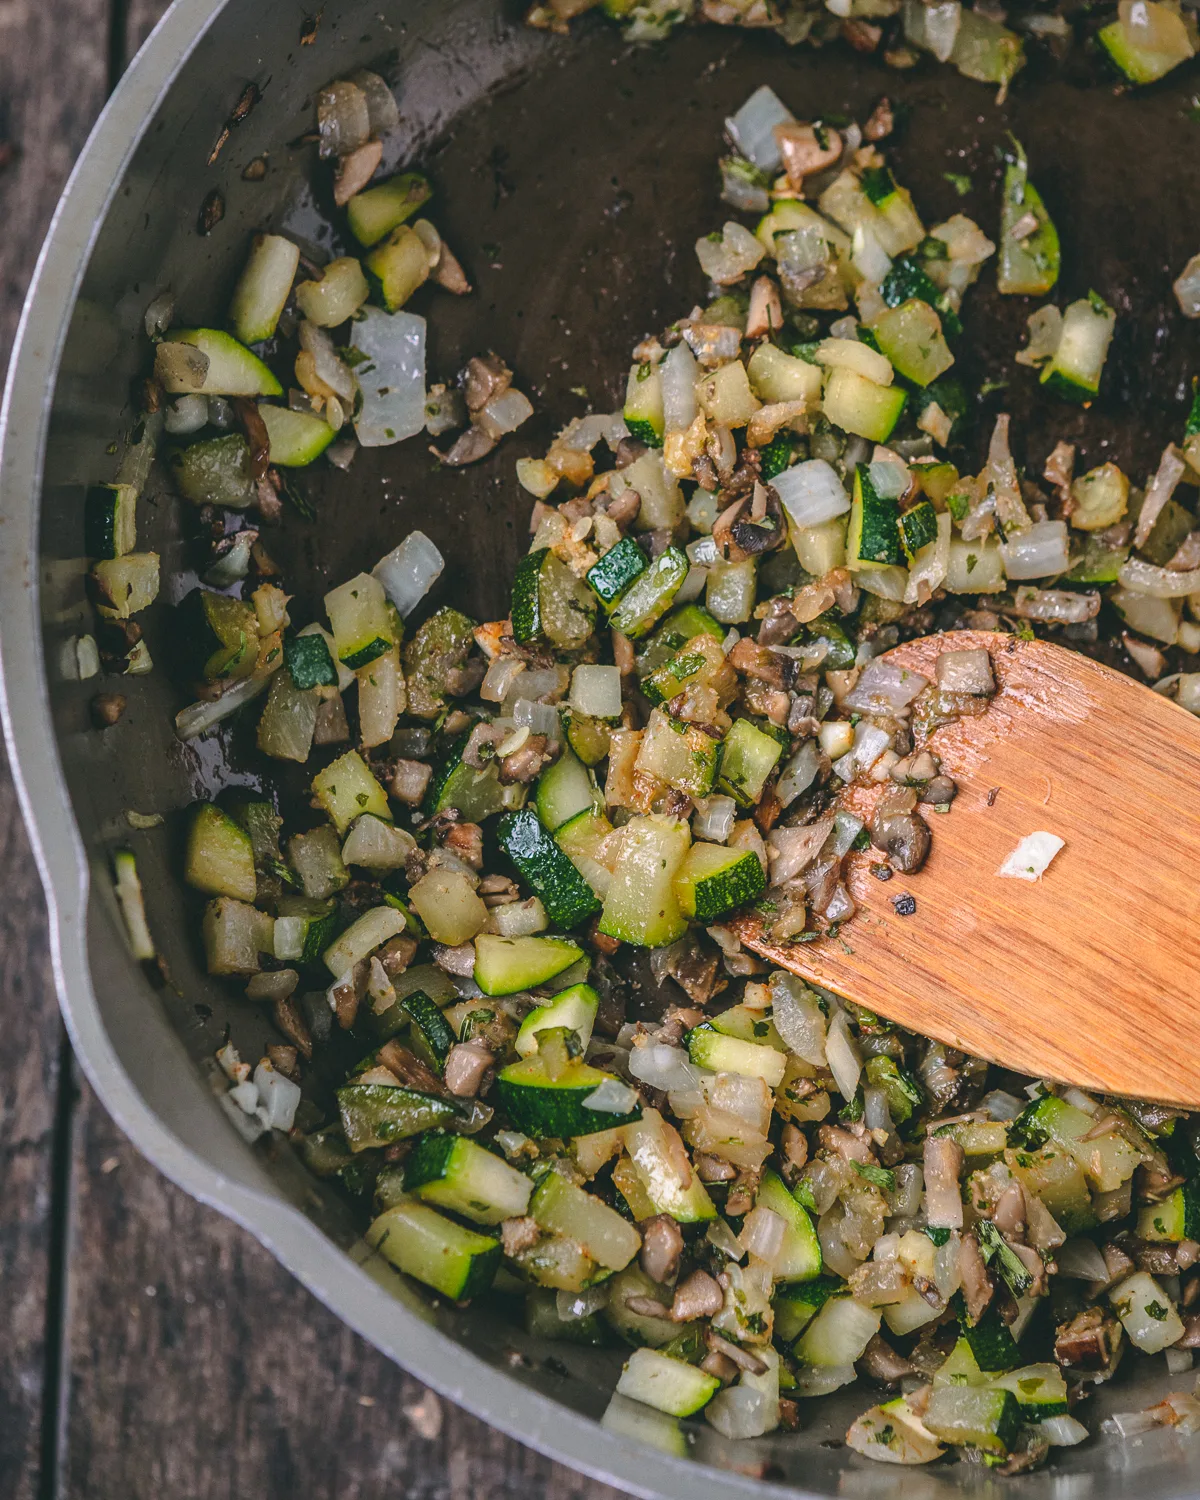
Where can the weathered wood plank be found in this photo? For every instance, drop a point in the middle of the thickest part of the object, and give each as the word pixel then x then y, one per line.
pixel 49 94
pixel 200 1370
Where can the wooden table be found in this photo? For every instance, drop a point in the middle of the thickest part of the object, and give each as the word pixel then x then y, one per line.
pixel 149 1348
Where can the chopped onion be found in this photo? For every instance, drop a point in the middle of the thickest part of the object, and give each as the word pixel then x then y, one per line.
pixel 1080 1260
pixel 596 691
pixel 1045 334
pixel 499 678
pixel 889 479
pixel 752 128
pixel 539 682
pixel 876 1114
pixel 1178 1360
pixel 811 492
pixel 870 742
pixel 343 118
pixel 542 718
pixel 885 688
pixel 1053 606
pixel 198 718
pixel 1186 287
pixel 742 1412
pixel 1062 1431
pixel 999 1105
pixel 186 414
pixel 679 373
pixel 722 1238
pixel 1160 583
pixel 714 818
pixel 504 413
pixel 1040 551
pixel 392 378
pixel 159 316
pixel 382 110
pixel 1130 1424
pixel 1031 858
pixel 799 773
pixel 845 1061
pixel 612 1097
pixel 1171 469
pixel 820 1380
pixel 762 1234
pixel 905 1201
pixel 870 259
pixel 943 1160
pixel 663 1067
pixel 409 571
pixel 278 1095
pixel 965 672
pixel 728 257
pixel 933 27
pixel 947 1267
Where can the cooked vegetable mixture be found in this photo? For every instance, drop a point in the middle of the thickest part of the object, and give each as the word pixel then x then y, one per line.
pixel 508 899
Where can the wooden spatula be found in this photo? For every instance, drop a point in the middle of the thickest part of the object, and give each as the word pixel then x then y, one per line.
pixel 1089 976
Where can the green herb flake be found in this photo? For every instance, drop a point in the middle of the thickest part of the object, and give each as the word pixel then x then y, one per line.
pixel 960 182
pixel 1156 1311
pixel 880 1177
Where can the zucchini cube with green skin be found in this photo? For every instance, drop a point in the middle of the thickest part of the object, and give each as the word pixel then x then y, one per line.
pixel 714 880
pixel 263 287
pixel 1108 1160
pixel 651 594
pixel 911 337
pixel 363 625
pixel 110 520
pixel 376 211
pixel 218 635
pixel 503 966
pixel 431 1034
pixel 1076 366
pixel 207 362
pixel 1054 1175
pixel 644 405
pixel 379 1114
pixel 748 757
pixel 991 1344
pixel 215 471
pixel 476 794
pixel 616 570
pixel 1176 1218
pixel 798 1304
pixel 399 266
pixel 679 754
pixel 799 1257
pixel 709 1048
pixel 440 644
pixel 456 1173
pixel 295 438
pixel 701 661
pixel 1039 1390
pixel 641 906
pixel 346 789
pixel 918 527
pixel 550 603
pixel 858 405
pixel 574 1009
pixel 974 1417
pixel 567 897
pixel 564 790
pixel 679 629
pixel 220 856
pixel 873 535
pixel 541 1106
pixel 669 1385
pixel 425 1245
pixel 564 1209
pixel 654 1148
pixel 904 1093
pixel 1029 262
pixel 308 662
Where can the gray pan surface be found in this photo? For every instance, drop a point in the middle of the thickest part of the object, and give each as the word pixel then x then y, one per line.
pixel 572 177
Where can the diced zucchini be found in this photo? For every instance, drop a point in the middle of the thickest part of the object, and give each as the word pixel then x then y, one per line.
pixel 550 603
pixel 679 628
pixel 433 1249
pixel 562 1263
pixel 587 736
pixel 616 570
pixel 1139 63
pixel 654 1156
pixel 474 794
pixel 220 856
pixel 776 376
pixel 376 211
pixel 1147 1314
pixel 564 1209
pixel 873 535
pixel 714 880
pixel 909 1314
pixel 641 906
pixel 974 1416
pixel 1039 1390
pixel 456 1173
pixel 858 405
pixel 651 593
pixel 730 590
pixel 346 789
pixel 918 527
pixel 748 1026
pixel 449 906
pixel 130 898
pixel 400 264
pixel 542 1106
pixel 893 1433
pixel 296 437
pixel 317 858
pixel 441 643
pixel 1029 262
pixel 1107 1159
pixel 431 1035
pixel 505 965
pixel 798 1304
pixel 363 624
pixel 208 362
pixel 1053 1175
pixel 701 660
pixel 308 661
pixel 378 1114
pixel 564 790
pixel 218 636
pixel 911 337
pixel 235 934
pixel 679 754
pixel 709 1048
pixel 661 504
pixel 748 757
pixel 669 1385
pixel 215 471
pixel 993 1346
pixel 839 1333
pixel 125 585
pixel 285 730
pixel 822 547
pixel 567 897
pixel 1176 1218
pixel 1075 369
pixel 263 287
pixel 644 405
pixel 110 520
pixel 799 1258
pixel 904 1093
pixel 575 1009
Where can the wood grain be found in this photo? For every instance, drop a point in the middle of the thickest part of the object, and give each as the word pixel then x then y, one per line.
pixel 1091 974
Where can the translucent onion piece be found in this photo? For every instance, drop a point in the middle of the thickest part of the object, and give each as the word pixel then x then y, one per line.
pixel 330 369
pixel 505 413
pixel 409 571
pixel 762 1234
pixel 722 1238
pixel 382 110
pixel 841 1051
pixel 1001 469
pixel 611 1097
pixel 999 1105
pixel 1080 1260
pixel 1053 605
pixel 1171 469
pixel 1159 583
pixel 889 479
pixel 278 1097
pixel 885 688
pixel 1186 288
pixel 965 672
pixel 198 718
pixel 869 256
pixel 811 492
pixel 663 1067
pixel 186 414
pixel 910 1182
pixel 799 773
pixel 714 818
pixel 740 1412
pixel 1040 551
pixel 679 373
pixel 752 128
pixel 392 378
pixel 542 718
pixel 728 258
pixel 343 118
pixel 1130 1424
pixel 1031 858
pixel 160 315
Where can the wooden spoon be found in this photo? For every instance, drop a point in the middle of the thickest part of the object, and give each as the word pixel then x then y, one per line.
pixel 1091 975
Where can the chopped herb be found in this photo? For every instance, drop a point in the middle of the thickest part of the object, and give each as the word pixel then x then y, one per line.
pixel 960 182
pixel 936 1233
pixel 880 1177
pixel 1156 1311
